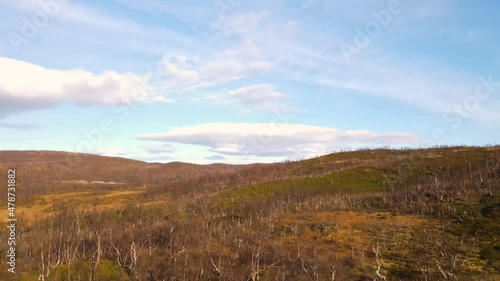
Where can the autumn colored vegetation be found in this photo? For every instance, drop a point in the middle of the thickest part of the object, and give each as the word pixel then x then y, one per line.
pixel 426 214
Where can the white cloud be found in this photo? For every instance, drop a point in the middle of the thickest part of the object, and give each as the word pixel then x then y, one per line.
pixel 260 97
pixel 162 149
pixel 276 139
pixel 190 71
pixel 113 152
pixel 319 60
pixel 241 23
pixel 256 94
pixel 25 86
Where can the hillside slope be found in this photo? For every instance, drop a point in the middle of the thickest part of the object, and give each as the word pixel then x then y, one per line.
pixel 428 214
pixel 43 172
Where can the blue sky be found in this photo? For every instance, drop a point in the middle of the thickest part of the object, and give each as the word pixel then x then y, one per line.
pixel 239 81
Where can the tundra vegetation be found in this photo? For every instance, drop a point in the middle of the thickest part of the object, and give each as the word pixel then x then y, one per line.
pixel 383 214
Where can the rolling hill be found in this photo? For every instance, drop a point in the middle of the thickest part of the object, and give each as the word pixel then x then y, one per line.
pixel 382 214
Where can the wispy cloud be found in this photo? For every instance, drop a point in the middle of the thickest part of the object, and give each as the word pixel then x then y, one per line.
pixel 191 71
pixel 23 127
pixel 216 158
pixel 94 26
pixel 377 72
pixel 256 97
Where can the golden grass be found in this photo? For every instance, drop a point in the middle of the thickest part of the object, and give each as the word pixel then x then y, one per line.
pixel 45 206
pixel 351 230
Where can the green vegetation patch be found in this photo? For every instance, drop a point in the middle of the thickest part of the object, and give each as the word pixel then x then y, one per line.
pixel 350 180
pixel 82 270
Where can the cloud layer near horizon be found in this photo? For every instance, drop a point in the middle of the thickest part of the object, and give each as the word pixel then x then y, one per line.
pixel 276 139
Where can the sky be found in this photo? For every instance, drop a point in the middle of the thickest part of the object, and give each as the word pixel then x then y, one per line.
pixel 238 81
